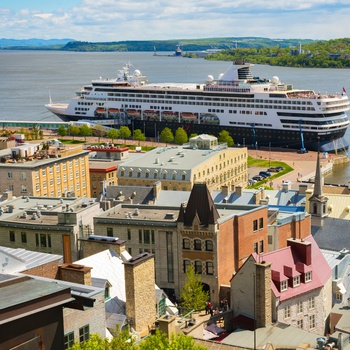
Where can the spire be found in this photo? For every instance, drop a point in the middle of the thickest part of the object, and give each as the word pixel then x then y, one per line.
pixel 199 204
pixel 318 178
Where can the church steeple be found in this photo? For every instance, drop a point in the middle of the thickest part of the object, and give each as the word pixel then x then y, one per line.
pixel 318 202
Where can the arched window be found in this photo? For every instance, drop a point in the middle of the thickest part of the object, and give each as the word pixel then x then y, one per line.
pixel 209 246
pixel 186 265
pixel 197 244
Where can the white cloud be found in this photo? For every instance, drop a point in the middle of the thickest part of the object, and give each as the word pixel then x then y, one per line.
pixel 112 20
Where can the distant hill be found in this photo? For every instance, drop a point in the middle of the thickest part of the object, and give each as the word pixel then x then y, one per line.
pixel 149 45
pixel 34 42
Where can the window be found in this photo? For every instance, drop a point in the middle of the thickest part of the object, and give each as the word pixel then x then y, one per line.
pixel 311 303
pixel 312 321
pixel 197 244
pixel 339 297
pixel 269 239
pixel 43 240
pixel 146 237
pixel 24 237
pixel 198 267
pixel 68 340
pixel 287 312
pixel 296 281
pixel 256 247
pixel 140 236
pixel 261 223
pixel 109 231
pixel 23 175
pixel 300 324
pixel 261 246
pixel 12 236
pixel 23 188
pixel 129 234
pixel 84 333
pixel 152 237
pixel 284 285
pixel 308 277
pixel 209 246
pixel 107 292
pixel 300 307
pixel 255 225
pixel 209 267
pixel 185 243
pixel 9 175
pixel 186 263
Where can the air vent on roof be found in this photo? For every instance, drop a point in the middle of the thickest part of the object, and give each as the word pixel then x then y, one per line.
pixel 169 216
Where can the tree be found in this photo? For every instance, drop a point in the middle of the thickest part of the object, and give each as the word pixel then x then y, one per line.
pixel 139 135
pixel 166 135
pixel 112 134
pixel 124 132
pixel 180 136
pixel 225 136
pixel 73 130
pixel 192 294
pixel 85 131
pixel 193 135
pixel 98 131
pixel 62 131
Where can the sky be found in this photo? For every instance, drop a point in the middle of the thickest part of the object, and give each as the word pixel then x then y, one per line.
pixel 118 20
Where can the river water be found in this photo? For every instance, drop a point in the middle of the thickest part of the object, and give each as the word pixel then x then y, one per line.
pixel 29 78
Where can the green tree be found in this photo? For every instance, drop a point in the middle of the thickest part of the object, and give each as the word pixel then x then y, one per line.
pixel 73 130
pixel 85 131
pixel 224 136
pixel 192 294
pixel 112 134
pixel 177 342
pixel 193 135
pixel 124 132
pixel 166 136
pixel 62 131
pixel 139 135
pixel 180 136
pixel 98 131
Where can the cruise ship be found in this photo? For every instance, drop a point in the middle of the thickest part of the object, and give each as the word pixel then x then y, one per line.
pixel 256 111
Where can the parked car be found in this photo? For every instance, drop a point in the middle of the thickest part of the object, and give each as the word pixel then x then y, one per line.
pixel 251 181
pixel 257 178
pixel 264 174
pixel 280 168
pixel 274 170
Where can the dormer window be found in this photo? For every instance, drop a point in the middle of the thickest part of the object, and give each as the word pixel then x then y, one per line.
pixel 296 281
pixel 284 285
pixel 308 277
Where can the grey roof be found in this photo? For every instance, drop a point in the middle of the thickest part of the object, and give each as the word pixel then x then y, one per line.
pixel 333 235
pixel 279 335
pixel 14 260
pixel 138 194
pixel 173 198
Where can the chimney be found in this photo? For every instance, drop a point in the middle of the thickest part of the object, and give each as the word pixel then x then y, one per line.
pixel 95 244
pixel 140 292
pixel 238 190
pixel 7 195
pixel 263 294
pixel 302 248
pixel 302 188
pixel 157 186
pixel 224 190
pixel 76 273
pixel 167 325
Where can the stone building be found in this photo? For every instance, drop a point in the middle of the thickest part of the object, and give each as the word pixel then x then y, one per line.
pixel 292 285
pixel 49 225
pixel 56 172
pixel 180 167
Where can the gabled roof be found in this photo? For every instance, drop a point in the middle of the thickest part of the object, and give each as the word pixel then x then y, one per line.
pixel 138 194
pixel 288 262
pixel 200 204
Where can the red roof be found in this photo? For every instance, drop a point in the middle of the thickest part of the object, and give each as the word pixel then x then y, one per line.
pixel 291 261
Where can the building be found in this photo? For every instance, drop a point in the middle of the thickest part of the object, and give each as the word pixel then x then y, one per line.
pixel 31 313
pixel 292 285
pixel 180 167
pixel 216 240
pixel 49 225
pixel 54 172
pixel 103 166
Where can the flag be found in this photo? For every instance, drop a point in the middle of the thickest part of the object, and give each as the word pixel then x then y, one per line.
pixel 344 91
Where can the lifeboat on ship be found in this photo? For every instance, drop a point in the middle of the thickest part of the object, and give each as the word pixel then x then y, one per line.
pixel 189 117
